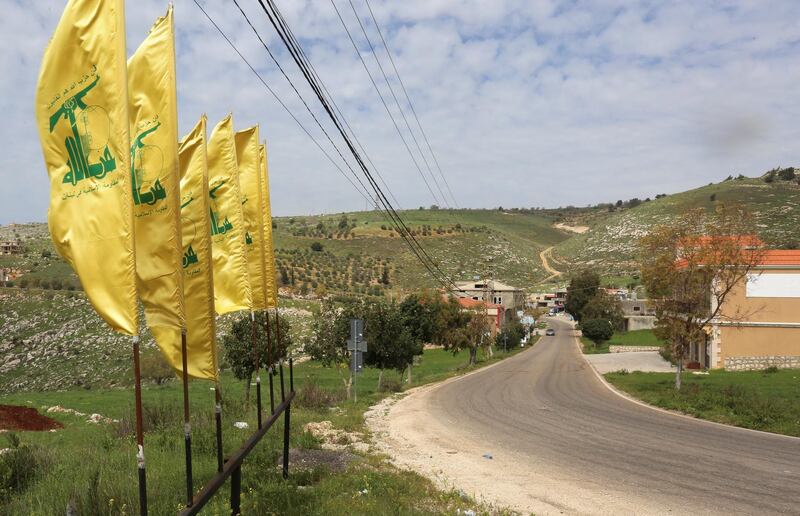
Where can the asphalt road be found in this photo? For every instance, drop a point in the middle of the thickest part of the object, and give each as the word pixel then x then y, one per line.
pixel 547 408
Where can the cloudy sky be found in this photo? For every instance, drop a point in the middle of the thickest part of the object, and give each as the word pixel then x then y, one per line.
pixel 537 103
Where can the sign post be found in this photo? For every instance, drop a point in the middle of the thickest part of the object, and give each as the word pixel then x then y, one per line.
pixel 356 345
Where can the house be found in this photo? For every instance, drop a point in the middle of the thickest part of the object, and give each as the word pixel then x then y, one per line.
pixel 493 312
pixel 759 322
pixel 638 315
pixel 11 247
pixel 493 292
pixel 549 300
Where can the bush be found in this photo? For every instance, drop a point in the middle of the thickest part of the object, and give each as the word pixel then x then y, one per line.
pixel 597 330
pixel 786 174
pixel 154 367
pixel 19 466
pixel 311 396
pixel 771 370
pixel 316 247
pixel 390 385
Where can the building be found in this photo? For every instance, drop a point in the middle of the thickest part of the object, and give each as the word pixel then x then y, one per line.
pixel 638 315
pixel 549 300
pixel 11 247
pixel 493 312
pixel 493 292
pixel 759 324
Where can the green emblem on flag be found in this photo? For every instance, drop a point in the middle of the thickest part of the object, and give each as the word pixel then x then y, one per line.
pixel 90 130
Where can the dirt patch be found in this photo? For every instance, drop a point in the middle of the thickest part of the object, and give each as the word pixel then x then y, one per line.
pixel 305 459
pixel 572 229
pixel 336 439
pixel 13 417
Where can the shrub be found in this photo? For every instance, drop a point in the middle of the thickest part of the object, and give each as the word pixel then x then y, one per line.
pixel 786 174
pixel 771 370
pixel 390 385
pixel 597 330
pixel 310 395
pixel 19 466
pixel 316 247
pixel 154 367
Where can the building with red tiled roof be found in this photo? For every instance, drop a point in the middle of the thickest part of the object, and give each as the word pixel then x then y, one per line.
pixel 493 311
pixel 759 323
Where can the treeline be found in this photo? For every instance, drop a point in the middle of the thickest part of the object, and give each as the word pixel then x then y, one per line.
pixel 397 332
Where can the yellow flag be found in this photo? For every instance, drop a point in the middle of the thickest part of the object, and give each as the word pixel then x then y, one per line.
pixel 249 162
pixel 155 182
pixel 270 277
pixel 231 284
pixel 198 283
pixel 82 115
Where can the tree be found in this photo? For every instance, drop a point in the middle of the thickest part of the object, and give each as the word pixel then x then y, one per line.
pixel 597 330
pixel 154 367
pixel 421 317
pixel 690 267
pixel 390 344
pixel 582 287
pixel 606 307
pixel 238 345
pixel 330 331
pixel 786 174
pixel 511 335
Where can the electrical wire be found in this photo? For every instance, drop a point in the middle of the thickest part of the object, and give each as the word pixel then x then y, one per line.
pixel 411 105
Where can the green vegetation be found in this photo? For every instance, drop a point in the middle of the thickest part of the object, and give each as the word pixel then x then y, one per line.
pixel 645 338
pixel 762 400
pixel 93 465
pixel 611 243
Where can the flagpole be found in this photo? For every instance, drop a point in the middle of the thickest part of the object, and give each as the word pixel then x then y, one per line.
pixel 257 364
pixel 269 361
pixel 218 420
pixel 139 429
pixel 187 427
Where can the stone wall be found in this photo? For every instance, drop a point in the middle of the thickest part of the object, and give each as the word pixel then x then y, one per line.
pixel 640 322
pixel 756 363
pixel 630 349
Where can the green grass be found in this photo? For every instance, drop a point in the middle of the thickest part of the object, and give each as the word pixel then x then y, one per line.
pixel 94 465
pixel 750 399
pixel 629 338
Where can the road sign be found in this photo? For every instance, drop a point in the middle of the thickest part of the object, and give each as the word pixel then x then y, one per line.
pixel 356 362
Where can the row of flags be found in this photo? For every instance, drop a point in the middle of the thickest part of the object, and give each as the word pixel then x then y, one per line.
pixel 182 224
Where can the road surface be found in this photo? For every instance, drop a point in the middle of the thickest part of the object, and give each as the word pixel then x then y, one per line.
pixel 556 440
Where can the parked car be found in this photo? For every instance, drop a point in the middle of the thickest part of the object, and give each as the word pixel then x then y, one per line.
pixel 550 332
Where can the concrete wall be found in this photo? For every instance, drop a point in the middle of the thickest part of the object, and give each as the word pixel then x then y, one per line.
pixel 759 345
pixel 640 322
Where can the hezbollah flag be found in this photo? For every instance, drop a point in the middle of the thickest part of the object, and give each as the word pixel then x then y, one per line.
pixel 231 284
pixel 198 286
pixel 155 181
pixel 249 162
pixel 82 115
pixel 270 276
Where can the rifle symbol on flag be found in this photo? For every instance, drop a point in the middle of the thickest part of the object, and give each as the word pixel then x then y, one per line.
pixel 79 143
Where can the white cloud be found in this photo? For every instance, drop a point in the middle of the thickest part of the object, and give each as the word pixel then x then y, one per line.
pixel 525 102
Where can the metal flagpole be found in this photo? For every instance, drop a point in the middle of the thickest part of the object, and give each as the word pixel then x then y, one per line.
pixel 137 378
pixel 257 364
pixel 187 426
pixel 218 419
pixel 269 362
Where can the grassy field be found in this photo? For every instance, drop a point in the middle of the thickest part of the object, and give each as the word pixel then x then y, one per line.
pixel 754 399
pixel 628 338
pixel 93 465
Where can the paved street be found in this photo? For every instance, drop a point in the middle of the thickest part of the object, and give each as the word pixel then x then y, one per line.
pixel 561 442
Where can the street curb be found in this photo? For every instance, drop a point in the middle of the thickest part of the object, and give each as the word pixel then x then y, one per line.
pixel 670 412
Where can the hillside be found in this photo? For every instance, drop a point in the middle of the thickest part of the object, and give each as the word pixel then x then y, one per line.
pixel 610 244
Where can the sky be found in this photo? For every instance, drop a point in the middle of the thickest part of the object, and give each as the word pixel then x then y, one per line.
pixel 525 103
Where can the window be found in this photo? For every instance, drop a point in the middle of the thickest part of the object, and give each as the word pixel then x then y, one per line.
pixel 636 308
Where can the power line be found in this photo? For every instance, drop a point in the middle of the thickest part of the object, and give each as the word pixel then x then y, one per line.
pixel 397 102
pixel 385 105
pixel 411 104
pixel 335 105
pixel 289 42
pixel 363 193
